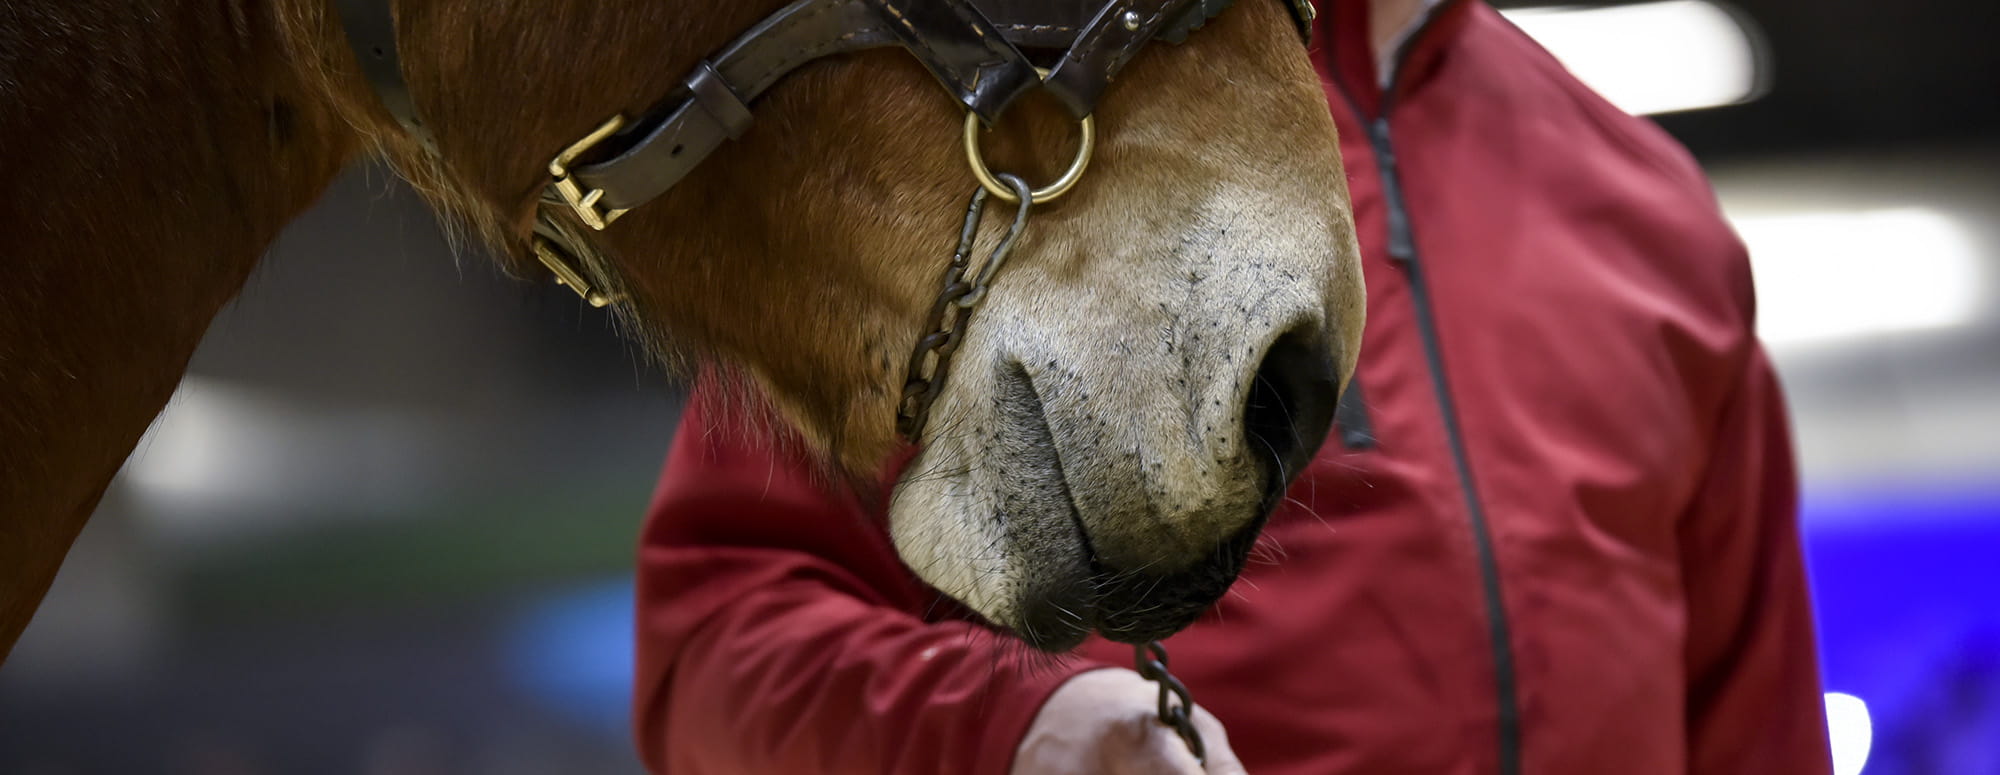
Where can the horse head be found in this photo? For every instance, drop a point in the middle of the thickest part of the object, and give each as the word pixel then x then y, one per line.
pixel 1161 354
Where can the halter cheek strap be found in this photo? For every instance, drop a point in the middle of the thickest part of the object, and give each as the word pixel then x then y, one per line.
pixel 972 47
pixel 371 33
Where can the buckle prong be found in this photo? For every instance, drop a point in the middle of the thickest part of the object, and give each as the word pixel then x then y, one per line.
pixel 584 203
pixel 558 264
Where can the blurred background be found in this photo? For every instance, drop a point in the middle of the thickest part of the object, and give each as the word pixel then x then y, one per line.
pixel 401 542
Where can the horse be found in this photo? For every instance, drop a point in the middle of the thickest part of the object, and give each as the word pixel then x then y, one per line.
pixel 1140 381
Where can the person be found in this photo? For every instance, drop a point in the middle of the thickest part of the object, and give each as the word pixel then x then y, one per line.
pixel 1555 531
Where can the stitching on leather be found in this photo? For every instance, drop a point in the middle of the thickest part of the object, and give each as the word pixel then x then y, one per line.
pixel 1097 32
pixel 930 55
pixel 798 58
pixel 968 80
pixel 1132 46
pixel 1111 20
pixel 796 21
pixel 1019 27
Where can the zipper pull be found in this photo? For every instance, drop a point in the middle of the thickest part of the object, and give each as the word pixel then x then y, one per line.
pixel 1350 417
pixel 1402 246
pixel 1378 136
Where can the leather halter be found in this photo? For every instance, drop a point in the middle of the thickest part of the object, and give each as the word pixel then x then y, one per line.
pixel 973 47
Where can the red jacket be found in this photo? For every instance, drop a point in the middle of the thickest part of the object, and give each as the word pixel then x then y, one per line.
pixel 1557 536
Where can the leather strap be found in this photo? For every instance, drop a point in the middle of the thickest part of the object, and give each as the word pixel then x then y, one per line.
pixel 969 53
pixel 971 46
pixel 1041 24
pixel 371 32
pixel 1056 24
pixel 1121 28
pixel 1197 14
pixel 964 50
pixel 669 141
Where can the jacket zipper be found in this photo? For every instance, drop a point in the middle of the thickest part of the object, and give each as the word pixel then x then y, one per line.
pixel 1350 417
pixel 1403 250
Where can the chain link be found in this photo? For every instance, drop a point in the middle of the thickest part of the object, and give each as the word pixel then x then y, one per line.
pixel 931 359
pixel 1151 661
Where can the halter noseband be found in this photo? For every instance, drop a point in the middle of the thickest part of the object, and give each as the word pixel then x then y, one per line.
pixel 973 47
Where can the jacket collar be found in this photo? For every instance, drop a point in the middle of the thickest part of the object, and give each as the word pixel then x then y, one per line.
pixel 1341 44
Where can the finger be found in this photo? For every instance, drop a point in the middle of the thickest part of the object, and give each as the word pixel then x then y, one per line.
pixel 1221 758
pixel 1222 761
pixel 1162 751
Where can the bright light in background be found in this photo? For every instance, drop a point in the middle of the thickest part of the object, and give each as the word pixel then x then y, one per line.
pixel 1850 731
pixel 1833 275
pixel 185 453
pixel 1651 57
pixel 224 460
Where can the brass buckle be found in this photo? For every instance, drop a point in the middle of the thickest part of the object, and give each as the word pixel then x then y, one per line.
pixel 584 203
pixel 553 258
pixel 1305 10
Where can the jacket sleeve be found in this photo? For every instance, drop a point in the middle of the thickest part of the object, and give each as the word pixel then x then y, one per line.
pixel 777 631
pixel 1753 696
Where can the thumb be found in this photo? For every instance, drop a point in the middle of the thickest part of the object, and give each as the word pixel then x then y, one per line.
pixel 1162 752
pixel 1222 761
pixel 1221 758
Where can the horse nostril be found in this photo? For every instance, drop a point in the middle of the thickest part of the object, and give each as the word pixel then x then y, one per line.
pixel 1290 407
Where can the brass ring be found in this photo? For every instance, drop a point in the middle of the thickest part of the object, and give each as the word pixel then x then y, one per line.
pixel 1061 185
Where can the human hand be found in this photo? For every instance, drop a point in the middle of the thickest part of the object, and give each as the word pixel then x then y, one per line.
pixel 1106 722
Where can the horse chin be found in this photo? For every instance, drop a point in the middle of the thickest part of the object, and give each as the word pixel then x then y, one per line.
pixel 1060 492
pixel 1019 555
pixel 1017 550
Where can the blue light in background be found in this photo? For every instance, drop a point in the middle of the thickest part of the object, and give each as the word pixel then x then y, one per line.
pixel 574 650
pixel 1906 582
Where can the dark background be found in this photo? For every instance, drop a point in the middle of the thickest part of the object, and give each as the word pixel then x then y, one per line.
pixel 389 525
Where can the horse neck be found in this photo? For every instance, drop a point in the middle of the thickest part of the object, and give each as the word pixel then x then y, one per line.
pixel 155 154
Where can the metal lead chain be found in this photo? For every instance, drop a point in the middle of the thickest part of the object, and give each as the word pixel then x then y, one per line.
pixel 1151 661
pixel 932 356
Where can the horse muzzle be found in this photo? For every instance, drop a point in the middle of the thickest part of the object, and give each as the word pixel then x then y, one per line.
pixel 1136 539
